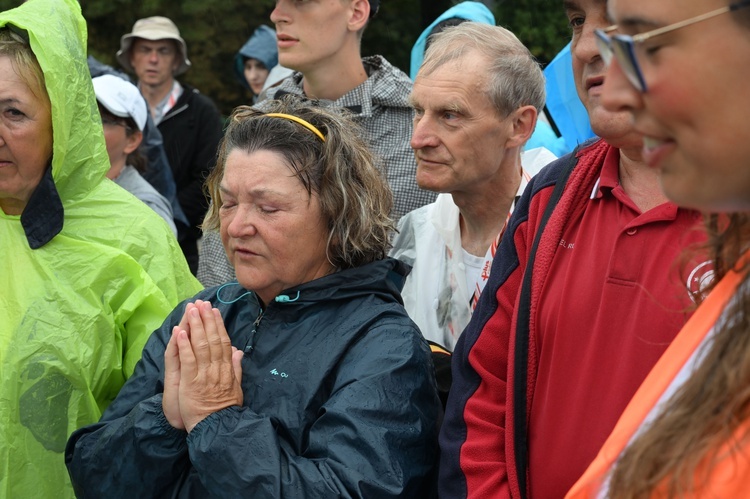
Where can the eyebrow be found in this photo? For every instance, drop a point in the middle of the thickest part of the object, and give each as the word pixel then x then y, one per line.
pixel 638 23
pixel 569 5
pixel 256 193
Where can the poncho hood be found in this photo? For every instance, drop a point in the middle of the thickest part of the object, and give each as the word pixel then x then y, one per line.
pixel 56 32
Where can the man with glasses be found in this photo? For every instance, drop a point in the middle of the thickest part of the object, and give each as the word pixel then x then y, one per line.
pixel 582 301
pixel 189 122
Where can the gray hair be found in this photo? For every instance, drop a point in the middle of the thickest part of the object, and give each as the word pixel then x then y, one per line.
pixel 514 77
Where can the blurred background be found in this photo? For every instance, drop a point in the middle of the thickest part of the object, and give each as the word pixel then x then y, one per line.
pixel 215 29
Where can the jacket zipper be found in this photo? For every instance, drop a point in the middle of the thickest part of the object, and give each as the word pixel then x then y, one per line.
pixel 172 113
pixel 250 345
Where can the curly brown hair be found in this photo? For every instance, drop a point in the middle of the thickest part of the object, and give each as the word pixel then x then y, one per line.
pixel 354 196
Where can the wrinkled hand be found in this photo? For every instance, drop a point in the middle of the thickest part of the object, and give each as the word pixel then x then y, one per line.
pixel 210 367
pixel 170 399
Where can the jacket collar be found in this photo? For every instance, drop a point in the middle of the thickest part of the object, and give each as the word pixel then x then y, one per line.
pixel 42 219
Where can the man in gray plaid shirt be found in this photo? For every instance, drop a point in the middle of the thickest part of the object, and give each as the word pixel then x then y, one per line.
pixel 321 42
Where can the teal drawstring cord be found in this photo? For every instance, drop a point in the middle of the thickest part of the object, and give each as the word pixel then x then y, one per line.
pixel 218 293
pixel 286 299
pixel 278 299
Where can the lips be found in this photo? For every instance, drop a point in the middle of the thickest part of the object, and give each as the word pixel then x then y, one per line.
pixel 243 251
pixel 285 41
pixel 655 150
pixel 421 160
pixel 594 81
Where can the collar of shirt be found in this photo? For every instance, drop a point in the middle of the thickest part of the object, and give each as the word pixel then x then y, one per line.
pixel 167 102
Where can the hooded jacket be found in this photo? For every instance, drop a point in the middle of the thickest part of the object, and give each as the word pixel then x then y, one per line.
pixel 261 46
pixel 340 401
pixel 89 272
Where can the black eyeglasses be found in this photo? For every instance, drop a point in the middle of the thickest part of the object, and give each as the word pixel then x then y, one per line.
pixel 623 47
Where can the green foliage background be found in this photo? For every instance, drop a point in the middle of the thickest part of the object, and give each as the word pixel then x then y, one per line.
pixel 215 29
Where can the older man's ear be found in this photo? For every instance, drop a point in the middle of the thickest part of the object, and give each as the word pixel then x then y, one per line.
pixel 523 121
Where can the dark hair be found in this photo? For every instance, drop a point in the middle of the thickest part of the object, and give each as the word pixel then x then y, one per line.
pixel 136 159
pixel 355 198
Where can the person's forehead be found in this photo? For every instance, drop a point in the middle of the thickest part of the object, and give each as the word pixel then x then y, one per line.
pixel 446 89
pixel 583 5
pixel 154 43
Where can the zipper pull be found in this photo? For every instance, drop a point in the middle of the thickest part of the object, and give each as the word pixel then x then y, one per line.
pixel 249 347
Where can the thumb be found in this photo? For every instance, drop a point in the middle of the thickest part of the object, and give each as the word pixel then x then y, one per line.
pixel 172 356
pixel 237 363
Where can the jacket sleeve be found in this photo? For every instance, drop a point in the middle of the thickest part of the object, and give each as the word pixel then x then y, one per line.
pixel 365 442
pixel 474 461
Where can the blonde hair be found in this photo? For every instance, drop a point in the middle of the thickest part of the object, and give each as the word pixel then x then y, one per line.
pixel 17 48
pixel 354 196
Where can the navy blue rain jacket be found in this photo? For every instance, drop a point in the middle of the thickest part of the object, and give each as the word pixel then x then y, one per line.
pixel 340 401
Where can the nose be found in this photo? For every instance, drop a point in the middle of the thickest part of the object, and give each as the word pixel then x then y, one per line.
pixel 153 56
pixel 240 223
pixel 618 94
pixel 423 133
pixel 280 12
pixel 584 47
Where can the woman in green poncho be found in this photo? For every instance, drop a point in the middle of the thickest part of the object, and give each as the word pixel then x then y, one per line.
pixel 88 271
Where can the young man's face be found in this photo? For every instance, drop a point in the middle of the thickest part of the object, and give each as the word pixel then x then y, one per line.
pixel 154 61
pixel 584 16
pixel 313 32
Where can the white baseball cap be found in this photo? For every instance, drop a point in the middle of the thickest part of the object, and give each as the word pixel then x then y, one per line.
pixel 121 98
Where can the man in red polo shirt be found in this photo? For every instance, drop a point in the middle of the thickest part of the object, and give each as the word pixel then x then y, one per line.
pixel 586 294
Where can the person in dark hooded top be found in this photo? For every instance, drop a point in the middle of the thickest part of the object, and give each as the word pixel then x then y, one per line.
pixel 257 57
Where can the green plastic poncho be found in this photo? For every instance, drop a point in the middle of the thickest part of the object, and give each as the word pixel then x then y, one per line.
pixel 76 311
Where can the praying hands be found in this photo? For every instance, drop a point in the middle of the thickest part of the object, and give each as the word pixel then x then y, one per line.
pixel 202 370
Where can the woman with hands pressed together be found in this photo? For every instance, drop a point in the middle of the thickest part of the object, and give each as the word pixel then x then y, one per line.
pixel 305 378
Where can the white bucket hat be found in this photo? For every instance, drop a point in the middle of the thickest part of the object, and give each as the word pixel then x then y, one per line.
pixel 153 28
pixel 121 98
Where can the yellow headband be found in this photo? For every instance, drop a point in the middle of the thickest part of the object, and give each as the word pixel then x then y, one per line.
pixel 302 122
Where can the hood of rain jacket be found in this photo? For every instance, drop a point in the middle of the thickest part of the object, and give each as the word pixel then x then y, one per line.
pixel 471 11
pixel 262 46
pixel 89 272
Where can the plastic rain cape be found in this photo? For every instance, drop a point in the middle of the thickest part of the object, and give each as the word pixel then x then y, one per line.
pixel 76 312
